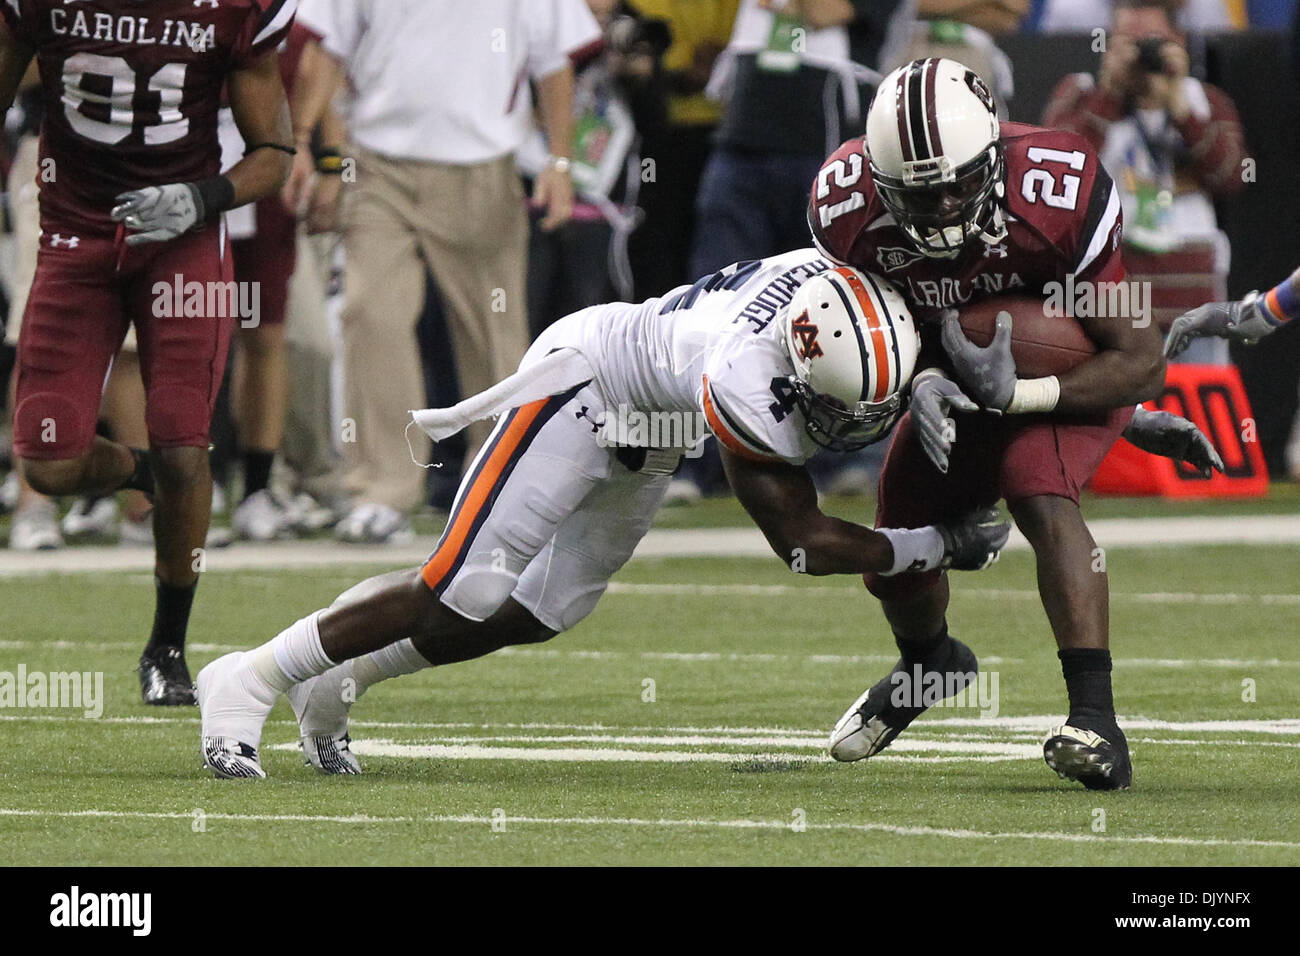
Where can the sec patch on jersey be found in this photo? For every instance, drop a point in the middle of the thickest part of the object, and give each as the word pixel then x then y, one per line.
pixel 1041 344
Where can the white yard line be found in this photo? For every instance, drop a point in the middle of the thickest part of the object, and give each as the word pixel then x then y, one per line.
pixel 665 823
pixel 690 657
pixel 659 543
pixel 1027 724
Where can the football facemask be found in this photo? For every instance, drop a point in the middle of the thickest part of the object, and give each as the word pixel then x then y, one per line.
pixel 935 157
pixel 837 428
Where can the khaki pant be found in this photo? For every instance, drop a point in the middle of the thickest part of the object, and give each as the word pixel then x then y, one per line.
pixel 309 435
pixel 467 226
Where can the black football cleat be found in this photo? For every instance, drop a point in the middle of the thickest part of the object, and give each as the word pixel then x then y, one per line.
pixel 873 720
pixel 1096 761
pixel 165 680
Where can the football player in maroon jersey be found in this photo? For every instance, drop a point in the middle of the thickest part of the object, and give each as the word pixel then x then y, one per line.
pixel 953 206
pixel 132 231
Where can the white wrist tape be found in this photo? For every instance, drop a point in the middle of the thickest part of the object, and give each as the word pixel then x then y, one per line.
pixel 914 550
pixel 1035 395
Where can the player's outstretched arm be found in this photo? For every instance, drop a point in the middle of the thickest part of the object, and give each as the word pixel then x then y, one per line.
pixel 14 57
pixel 1129 368
pixel 1247 321
pixel 782 501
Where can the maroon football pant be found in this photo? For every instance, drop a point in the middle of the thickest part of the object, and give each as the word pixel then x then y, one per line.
pixel 1013 457
pixel 86 292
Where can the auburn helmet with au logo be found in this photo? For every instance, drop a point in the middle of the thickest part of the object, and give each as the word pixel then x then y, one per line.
pixel 854 345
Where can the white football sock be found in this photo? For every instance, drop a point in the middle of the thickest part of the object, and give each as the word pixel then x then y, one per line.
pixel 292 656
pixel 392 661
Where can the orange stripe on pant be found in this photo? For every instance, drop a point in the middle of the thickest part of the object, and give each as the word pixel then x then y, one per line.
pixel 456 538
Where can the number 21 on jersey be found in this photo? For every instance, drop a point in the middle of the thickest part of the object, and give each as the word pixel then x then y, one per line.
pixel 1042 184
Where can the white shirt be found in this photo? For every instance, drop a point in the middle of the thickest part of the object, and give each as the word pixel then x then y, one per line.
pixel 1082 16
pixel 714 348
pixel 446 80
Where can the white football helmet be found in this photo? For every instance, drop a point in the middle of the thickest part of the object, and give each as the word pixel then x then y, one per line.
pixel 936 157
pixel 854 345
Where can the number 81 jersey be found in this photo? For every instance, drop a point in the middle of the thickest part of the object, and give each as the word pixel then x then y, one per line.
pixel 1062 215
pixel 132 91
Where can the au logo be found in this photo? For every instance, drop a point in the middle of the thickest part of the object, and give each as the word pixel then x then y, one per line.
pixel 805 333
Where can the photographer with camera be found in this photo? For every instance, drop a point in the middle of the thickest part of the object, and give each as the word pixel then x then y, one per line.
pixel 1172 143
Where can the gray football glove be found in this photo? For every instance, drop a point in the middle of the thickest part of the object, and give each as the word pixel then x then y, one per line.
pixel 159 213
pixel 988 373
pixel 1171 436
pixel 934 396
pixel 1237 321
pixel 975 541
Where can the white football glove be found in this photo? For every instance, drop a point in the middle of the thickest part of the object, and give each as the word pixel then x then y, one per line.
pixel 1237 321
pixel 159 213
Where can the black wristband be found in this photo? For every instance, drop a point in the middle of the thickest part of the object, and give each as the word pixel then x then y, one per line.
pixel 280 146
pixel 217 195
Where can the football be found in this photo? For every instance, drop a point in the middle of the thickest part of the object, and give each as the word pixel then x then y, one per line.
pixel 1041 344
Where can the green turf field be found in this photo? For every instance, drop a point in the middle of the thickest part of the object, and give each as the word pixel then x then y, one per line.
pixel 567 753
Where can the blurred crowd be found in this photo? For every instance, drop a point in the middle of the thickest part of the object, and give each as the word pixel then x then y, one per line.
pixel 469 173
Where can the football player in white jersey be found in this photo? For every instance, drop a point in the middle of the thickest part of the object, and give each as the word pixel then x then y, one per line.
pixel 774 357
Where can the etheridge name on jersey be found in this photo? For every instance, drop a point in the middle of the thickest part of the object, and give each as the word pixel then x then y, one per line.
pixel 711 350
pixel 1062 215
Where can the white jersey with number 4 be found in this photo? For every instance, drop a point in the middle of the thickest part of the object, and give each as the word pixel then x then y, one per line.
pixel 713 349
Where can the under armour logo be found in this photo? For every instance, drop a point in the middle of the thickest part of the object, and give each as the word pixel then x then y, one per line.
pixel 67 242
pixel 999 250
pixel 595 425
pixel 211 3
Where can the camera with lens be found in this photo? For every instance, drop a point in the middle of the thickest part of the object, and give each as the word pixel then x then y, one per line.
pixel 1150 57
pixel 628 36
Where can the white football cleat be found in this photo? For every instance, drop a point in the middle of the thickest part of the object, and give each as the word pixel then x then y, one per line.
pixel 36 528
pixel 260 517
pixel 232 717
pixel 321 705
pixel 87 519
pixel 374 524
pixel 855 737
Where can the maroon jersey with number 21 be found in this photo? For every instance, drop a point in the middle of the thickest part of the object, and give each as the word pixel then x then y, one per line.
pixel 1062 214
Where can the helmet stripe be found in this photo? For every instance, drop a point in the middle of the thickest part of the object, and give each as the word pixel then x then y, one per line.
pixel 932 107
pixel 916 109
pixel 900 111
pixel 875 359
pixel 893 333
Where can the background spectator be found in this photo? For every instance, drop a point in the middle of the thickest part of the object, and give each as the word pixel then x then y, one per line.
pixel 618 95
pixel 433 138
pixel 1083 16
pixel 1172 144
pixel 661 247
pixel 966 31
